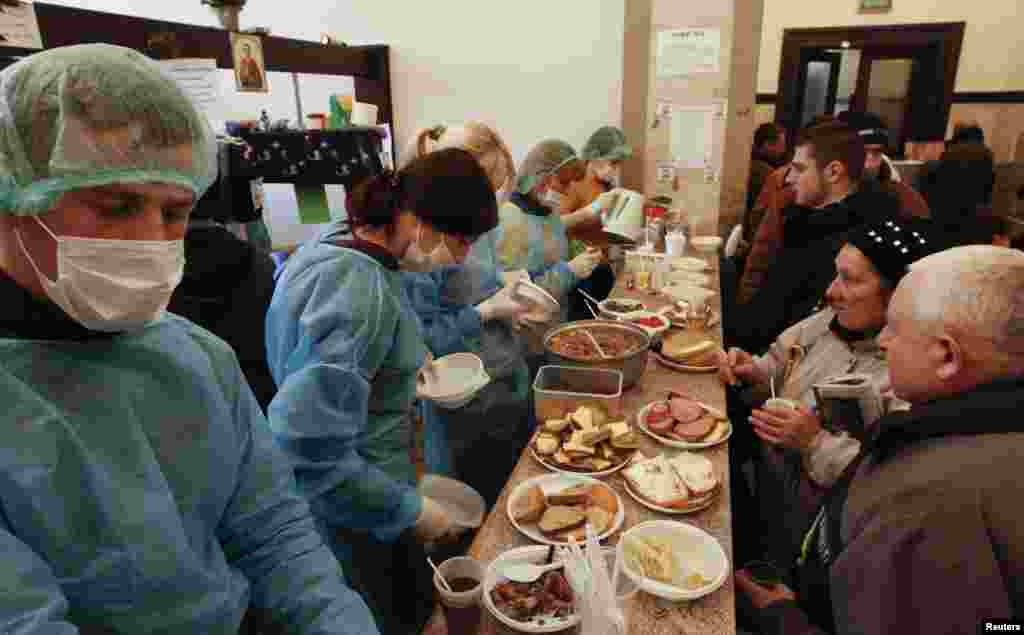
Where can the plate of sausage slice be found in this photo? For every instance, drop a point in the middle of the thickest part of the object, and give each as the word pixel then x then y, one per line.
pixel 681 422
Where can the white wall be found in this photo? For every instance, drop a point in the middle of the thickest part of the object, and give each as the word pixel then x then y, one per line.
pixel 534 69
pixel 992 47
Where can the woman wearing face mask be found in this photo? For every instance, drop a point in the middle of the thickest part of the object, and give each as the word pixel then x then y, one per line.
pixel 604 153
pixel 531 234
pixel 466 309
pixel 345 346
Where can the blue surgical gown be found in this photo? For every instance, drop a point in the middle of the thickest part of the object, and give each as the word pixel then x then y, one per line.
pixel 530 237
pixel 444 300
pixel 141 492
pixel 344 347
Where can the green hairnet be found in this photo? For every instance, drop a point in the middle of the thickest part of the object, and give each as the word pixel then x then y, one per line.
pixel 545 158
pixel 93 115
pixel 607 144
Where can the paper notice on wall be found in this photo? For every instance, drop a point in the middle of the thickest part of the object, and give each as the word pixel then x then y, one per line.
pixel 19 26
pixel 200 80
pixel 691 135
pixel 688 51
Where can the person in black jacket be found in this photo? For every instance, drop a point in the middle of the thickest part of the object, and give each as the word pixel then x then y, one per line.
pixel 228 285
pixel 831 200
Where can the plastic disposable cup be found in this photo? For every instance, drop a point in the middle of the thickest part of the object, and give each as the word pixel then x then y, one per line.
pixel 461 608
pixel 364 114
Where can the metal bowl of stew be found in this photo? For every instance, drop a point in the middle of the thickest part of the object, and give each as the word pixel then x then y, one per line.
pixel 625 344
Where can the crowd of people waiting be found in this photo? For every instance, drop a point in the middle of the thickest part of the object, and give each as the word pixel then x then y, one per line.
pixel 152 484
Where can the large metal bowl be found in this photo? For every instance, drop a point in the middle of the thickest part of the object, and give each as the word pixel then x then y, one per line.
pixel 631 364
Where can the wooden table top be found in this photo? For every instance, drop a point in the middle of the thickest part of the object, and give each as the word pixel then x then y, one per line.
pixel 712 614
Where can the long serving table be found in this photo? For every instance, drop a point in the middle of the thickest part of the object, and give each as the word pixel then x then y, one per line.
pixel 645 614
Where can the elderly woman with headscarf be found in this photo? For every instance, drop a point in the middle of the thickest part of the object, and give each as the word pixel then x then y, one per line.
pixel 802 454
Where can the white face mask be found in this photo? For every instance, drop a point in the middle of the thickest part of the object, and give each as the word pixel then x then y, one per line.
pixel 607 172
pixel 415 259
pixel 112 285
pixel 552 200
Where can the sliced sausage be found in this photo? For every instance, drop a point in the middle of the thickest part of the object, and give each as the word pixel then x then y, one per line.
pixel 694 431
pixel 685 410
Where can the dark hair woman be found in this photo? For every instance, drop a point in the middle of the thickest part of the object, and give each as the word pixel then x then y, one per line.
pixel 345 346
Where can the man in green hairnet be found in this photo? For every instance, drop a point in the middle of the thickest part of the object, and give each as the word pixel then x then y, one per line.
pixel 604 153
pixel 140 487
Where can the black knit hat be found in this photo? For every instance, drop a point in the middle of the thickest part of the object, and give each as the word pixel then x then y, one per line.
pixel 869 126
pixel 892 245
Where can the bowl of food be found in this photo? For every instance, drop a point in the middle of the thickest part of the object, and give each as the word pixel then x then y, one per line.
pixel 619 308
pixel 546 605
pixel 687 292
pixel 615 345
pixel 673 560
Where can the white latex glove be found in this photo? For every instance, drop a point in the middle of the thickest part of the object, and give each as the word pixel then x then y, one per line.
pixel 434 524
pixel 501 306
pixel 604 203
pixel 584 264
pixel 509 278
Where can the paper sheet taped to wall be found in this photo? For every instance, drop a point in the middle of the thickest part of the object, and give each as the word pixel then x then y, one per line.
pixel 19 27
pixel 688 51
pixel 691 136
pixel 200 80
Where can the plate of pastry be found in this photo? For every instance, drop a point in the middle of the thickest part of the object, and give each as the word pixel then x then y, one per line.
pixel 585 441
pixel 555 508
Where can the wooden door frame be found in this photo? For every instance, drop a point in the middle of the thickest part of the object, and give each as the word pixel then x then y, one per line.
pixel 947 35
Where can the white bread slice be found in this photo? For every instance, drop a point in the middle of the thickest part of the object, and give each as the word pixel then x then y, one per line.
pixel 658 482
pixel 696 471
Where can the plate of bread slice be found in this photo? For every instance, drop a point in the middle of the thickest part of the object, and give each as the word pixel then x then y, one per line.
pixel 585 441
pixel 684 423
pixel 681 484
pixel 555 508
pixel 688 351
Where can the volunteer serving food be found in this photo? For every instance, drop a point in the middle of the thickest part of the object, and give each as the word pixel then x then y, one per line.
pixel 345 346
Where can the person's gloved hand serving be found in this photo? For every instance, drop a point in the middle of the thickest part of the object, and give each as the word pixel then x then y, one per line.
pixel 502 306
pixel 584 264
pixel 434 524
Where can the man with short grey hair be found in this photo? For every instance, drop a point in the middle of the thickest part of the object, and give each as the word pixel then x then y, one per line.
pixel 922 534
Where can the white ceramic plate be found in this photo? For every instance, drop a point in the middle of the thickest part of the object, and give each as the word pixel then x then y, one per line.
pixel 602 308
pixel 671 510
pixel 695 547
pixel 685 263
pixel 552 484
pixel 492 577
pixel 686 368
pixel 555 467
pixel 674 443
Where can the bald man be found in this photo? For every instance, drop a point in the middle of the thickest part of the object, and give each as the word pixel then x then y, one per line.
pixel 923 533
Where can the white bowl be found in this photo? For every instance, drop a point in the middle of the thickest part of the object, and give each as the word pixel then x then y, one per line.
pixel 706 244
pixel 694 278
pixel 535 554
pixel 605 311
pixel 535 295
pixel 453 380
pixel 681 291
pixel 698 549
pixel 464 505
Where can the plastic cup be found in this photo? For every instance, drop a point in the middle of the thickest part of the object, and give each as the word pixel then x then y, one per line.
pixel 364 114
pixel 461 608
pixel 778 403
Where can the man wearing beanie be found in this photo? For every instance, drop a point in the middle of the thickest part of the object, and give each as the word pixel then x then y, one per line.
pixel 921 533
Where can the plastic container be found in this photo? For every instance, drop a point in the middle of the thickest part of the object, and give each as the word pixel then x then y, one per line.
pixel 692 547
pixel 559 390
pixel 464 504
pixel 460 567
pixel 364 114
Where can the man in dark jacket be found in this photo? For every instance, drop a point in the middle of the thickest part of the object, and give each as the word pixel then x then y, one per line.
pixel 829 202
pixel 922 533
pixel 228 283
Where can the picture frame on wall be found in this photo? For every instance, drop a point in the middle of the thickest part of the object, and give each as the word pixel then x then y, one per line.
pixel 874 6
pixel 250 70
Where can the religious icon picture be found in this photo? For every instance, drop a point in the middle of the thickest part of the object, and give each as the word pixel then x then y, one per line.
pixel 250 72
